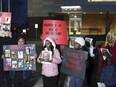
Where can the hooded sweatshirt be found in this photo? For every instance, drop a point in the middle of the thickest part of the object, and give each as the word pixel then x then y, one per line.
pixel 50 69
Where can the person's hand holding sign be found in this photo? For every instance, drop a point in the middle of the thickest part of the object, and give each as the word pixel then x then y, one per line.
pixel 41 59
pixel 50 60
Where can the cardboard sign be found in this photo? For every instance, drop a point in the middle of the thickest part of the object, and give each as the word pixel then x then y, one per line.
pixel 74 62
pixel 19 57
pixel 5 22
pixel 56 29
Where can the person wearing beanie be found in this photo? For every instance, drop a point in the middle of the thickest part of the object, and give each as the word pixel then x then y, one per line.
pixel 75 81
pixel 50 67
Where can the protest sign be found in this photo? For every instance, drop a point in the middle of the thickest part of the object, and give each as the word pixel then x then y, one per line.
pixel 5 23
pixel 55 29
pixel 74 62
pixel 19 57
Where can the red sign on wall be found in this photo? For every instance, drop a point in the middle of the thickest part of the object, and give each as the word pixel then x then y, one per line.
pixel 55 29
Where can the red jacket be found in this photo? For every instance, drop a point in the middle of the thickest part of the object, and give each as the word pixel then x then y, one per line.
pixel 113 52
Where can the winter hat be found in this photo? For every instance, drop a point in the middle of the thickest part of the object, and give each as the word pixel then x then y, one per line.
pixel 80 40
pixel 51 40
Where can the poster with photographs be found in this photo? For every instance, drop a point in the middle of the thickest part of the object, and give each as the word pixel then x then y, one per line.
pixel 71 41
pixel 47 56
pixel 5 21
pixel 19 57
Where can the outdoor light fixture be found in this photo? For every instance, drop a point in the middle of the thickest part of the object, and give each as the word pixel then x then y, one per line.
pixel 70 8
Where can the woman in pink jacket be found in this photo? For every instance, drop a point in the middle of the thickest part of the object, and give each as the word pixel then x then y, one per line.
pixel 49 62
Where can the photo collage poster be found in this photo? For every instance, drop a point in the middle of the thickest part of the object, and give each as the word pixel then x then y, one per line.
pixel 19 57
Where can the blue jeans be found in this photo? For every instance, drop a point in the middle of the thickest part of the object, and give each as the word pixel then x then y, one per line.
pixel 75 82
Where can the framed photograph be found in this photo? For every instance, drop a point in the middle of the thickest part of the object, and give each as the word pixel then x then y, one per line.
pixel 71 41
pixel 47 56
pixel 105 53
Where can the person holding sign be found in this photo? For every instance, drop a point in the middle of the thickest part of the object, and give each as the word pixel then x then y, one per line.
pixel 21 77
pixel 7 40
pixel 49 65
pixel 110 46
pixel 74 80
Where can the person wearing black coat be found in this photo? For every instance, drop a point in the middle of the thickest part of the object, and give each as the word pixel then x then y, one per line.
pixel 4 75
pixel 92 63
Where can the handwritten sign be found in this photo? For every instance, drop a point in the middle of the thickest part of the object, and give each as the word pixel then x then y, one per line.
pixel 56 29
pixel 74 62
pixel 19 57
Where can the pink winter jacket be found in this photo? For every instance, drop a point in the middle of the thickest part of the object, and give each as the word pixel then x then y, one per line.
pixel 50 70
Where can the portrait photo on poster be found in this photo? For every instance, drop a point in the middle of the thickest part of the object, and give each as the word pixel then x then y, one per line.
pixel 14 54
pixel 7 53
pixel 28 50
pixel 14 64
pixel 8 62
pixel 20 54
pixel 7 20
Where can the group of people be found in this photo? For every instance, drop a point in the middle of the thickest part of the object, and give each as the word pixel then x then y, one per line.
pixel 51 75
